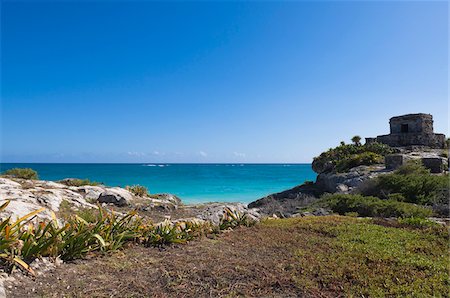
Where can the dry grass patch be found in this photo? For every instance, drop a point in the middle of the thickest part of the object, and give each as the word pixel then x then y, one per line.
pixel 309 257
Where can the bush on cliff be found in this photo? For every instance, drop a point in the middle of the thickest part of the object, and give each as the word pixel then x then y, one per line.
pixel 23 173
pixel 347 156
pixel 374 207
pixel 411 183
pixel 354 160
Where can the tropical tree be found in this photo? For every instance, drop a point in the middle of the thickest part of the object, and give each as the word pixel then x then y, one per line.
pixel 356 140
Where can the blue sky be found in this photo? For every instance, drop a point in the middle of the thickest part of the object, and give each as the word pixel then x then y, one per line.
pixel 213 81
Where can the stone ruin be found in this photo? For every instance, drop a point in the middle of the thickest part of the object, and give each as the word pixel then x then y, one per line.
pixel 411 130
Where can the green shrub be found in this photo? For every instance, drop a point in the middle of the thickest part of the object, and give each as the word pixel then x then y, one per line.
pixel 351 214
pixel 417 222
pixel 347 156
pixel 360 159
pixel 79 182
pixel 23 173
pixel 413 167
pixel 412 183
pixel 374 207
pixel 138 190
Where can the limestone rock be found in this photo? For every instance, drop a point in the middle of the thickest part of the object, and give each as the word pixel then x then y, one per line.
pixel 286 203
pixel 214 211
pixel 115 197
pixel 26 196
pixel 90 193
pixel 346 182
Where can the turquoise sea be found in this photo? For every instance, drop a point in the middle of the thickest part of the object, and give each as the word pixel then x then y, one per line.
pixel 193 183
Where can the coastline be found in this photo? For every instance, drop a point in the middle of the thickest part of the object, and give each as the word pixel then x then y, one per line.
pixel 193 183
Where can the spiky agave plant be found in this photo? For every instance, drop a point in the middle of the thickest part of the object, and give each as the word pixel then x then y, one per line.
pixel 12 239
pixel 165 233
pixel 233 219
pixel 106 231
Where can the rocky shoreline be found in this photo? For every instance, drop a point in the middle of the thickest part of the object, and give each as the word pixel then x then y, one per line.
pixel 26 196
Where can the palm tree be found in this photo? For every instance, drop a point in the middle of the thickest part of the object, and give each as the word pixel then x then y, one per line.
pixel 356 140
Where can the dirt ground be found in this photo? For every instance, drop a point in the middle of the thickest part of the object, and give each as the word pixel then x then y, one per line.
pixel 329 256
pixel 234 264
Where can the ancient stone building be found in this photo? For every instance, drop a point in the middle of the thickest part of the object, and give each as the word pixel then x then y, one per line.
pixel 411 129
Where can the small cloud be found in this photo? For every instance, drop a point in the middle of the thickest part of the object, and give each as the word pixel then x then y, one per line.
pixel 157 153
pixel 239 154
pixel 203 153
pixel 136 154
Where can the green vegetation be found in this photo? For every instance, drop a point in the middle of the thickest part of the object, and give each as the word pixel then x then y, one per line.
pixel 347 156
pixel 79 182
pixel 22 173
pixel 232 219
pixel 138 190
pixel 356 140
pixel 417 222
pixel 373 207
pixel 412 183
pixel 357 258
pixel 326 256
pixel 93 230
pixel 354 160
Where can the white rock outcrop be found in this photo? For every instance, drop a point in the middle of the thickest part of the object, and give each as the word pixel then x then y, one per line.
pixel 26 196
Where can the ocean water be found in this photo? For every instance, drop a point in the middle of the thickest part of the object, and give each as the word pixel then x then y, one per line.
pixel 193 183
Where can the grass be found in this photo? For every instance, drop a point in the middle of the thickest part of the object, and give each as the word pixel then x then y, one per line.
pixel 310 257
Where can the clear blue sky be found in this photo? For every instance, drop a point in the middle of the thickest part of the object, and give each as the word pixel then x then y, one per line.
pixel 214 81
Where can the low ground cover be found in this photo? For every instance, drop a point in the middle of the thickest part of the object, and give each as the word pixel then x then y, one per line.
pixel 311 257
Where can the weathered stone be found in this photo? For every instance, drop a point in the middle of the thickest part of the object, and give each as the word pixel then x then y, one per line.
pixel 320 212
pixel 394 161
pixel 90 192
pixel 111 197
pixel 287 203
pixel 346 182
pixel 434 164
pixel 411 129
pixel 214 212
pixel 341 188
